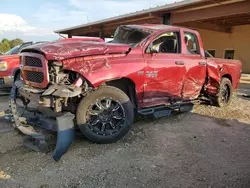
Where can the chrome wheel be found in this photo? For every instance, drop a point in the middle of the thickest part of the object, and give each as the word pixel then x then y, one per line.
pixel 106 116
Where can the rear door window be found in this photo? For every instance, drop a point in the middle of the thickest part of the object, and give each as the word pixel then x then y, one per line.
pixel 192 43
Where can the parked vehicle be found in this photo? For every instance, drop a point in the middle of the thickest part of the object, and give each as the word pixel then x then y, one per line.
pixel 9 65
pixel 145 69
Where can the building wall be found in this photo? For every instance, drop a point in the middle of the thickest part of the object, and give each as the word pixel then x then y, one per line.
pixel 239 40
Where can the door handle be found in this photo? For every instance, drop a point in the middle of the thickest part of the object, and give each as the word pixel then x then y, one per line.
pixel 202 63
pixel 179 63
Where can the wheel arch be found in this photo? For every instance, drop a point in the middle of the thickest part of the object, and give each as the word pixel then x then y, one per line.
pixel 127 86
pixel 75 73
pixel 228 76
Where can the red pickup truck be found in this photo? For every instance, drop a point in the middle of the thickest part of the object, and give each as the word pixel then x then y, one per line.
pixel 9 64
pixel 99 87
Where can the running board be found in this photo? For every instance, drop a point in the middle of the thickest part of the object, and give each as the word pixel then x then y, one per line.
pixel 166 110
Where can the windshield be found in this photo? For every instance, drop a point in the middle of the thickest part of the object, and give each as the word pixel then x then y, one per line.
pixel 129 35
pixel 13 50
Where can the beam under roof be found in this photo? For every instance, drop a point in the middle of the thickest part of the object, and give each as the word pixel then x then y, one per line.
pixel 208 26
pixel 211 13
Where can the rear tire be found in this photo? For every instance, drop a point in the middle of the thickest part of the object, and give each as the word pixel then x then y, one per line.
pixel 105 115
pixel 224 96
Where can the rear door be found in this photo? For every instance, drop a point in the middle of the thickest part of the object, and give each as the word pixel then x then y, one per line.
pixel 195 65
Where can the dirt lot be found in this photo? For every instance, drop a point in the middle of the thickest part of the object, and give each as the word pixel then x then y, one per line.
pixel 208 147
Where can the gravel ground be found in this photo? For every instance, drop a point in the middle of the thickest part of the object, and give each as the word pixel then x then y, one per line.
pixel 208 147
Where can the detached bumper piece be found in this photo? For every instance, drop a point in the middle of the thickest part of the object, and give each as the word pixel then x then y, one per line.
pixel 38 141
pixel 36 138
pixel 65 135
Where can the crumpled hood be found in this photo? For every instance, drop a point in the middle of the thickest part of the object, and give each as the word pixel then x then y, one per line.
pixel 63 50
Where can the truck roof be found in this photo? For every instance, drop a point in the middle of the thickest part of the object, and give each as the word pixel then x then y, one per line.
pixel 156 27
pixel 93 39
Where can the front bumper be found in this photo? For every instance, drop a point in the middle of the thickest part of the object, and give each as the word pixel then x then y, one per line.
pixel 6 81
pixel 34 126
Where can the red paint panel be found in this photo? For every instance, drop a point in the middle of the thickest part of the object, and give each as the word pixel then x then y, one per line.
pixel 60 50
pixel 12 62
pixel 195 67
pixel 99 69
pixel 195 76
pixel 218 68
pixel 169 77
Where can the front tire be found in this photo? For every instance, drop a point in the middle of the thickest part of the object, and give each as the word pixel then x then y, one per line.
pixel 105 115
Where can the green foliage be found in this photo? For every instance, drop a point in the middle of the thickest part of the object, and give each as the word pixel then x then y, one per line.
pixel 6 45
pixel 15 42
pixel 5 40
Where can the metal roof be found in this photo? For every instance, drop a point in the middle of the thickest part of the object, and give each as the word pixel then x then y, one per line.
pixel 216 15
pixel 138 13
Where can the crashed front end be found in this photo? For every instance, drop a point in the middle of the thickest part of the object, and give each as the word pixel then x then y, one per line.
pixel 45 97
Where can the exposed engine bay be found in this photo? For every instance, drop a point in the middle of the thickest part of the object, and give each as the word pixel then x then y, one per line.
pixel 64 91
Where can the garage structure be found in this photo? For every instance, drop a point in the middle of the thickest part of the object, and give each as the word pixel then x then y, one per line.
pixel 224 25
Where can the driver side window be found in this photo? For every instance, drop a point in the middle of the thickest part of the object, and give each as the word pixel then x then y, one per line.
pixel 165 43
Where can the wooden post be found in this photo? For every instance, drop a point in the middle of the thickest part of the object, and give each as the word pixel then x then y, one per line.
pixel 166 19
pixel 101 33
pixel 69 35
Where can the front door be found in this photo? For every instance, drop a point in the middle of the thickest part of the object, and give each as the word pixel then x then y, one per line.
pixel 165 69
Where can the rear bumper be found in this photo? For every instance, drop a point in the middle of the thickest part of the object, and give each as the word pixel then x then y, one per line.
pixel 6 81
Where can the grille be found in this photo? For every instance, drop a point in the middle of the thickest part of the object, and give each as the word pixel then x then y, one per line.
pixel 33 62
pixel 37 77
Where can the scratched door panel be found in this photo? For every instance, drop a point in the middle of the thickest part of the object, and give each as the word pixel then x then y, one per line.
pixel 195 76
pixel 163 78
